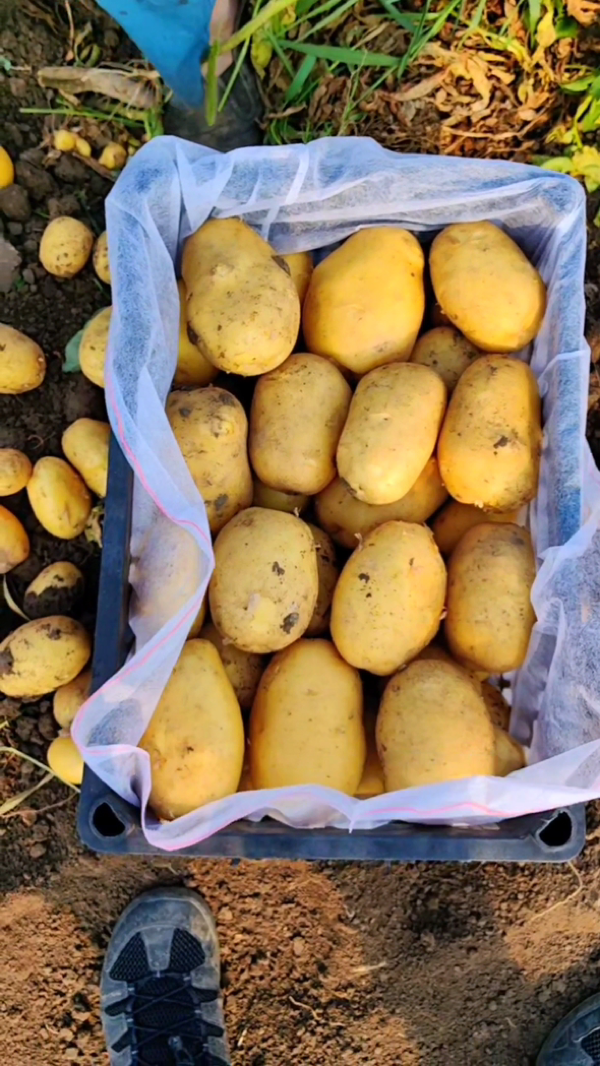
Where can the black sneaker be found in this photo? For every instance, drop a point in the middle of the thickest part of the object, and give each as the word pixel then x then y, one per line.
pixel 576 1040
pixel 160 985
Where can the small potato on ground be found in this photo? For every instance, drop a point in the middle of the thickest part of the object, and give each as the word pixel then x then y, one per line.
pixel 100 258
pixel 66 246
pixel 85 444
pixel 57 589
pixel 15 471
pixel 64 759
pixel 14 542
pixel 59 498
pixel 92 350
pixel 41 655
pixel 23 364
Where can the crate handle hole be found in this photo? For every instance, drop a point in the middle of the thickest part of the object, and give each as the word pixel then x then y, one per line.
pixel 558 832
pixel 106 821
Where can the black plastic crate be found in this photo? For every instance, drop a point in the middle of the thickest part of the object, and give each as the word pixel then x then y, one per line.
pixel 109 824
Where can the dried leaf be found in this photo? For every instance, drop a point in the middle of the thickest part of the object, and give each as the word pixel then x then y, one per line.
pixel 10 601
pixel 130 88
pixel 584 11
pixel 15 801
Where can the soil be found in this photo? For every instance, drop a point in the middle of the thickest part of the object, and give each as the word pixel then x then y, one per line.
pixel 348 963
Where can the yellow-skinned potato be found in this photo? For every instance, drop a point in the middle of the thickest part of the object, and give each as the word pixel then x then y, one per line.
pixel 490 443
pixel 193 368
pixel 243 309
pixel 391 431
pixel 211 428
pixel 347 519
pixel 497 707
pixel 94 342
pixel 85 443
pixel 265 496
pixel 15 471
pixel 306 723
pixel 23 364
pixel 64 759
pixel 14 542
pixel 371 782
pixel 365 301
pixel 298 412
pixel 389 598
pixel 489 614
pixel 301 268
pixel 198 621
pixel 447 352
pixel 100 258
pixel 195 738
pixel 436 652
pixel 487 286
pixel 243 668
pixel 508 753
pixel 432 726
pixel 55 590
pixel 456 518
pixel 41 655
pixel 59 498
pixel 328 572
pixel 264 587
pixel 70 697
pixel 66 246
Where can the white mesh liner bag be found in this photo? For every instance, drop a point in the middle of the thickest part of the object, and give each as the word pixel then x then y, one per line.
pixel 311 197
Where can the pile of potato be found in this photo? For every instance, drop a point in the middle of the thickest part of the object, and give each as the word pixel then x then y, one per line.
pixel 359 637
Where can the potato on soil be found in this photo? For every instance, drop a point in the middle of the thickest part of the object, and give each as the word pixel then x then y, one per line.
pixel 195 738
pixel 211 428
pixel 14 542
pixel 455 519
pixel 447 352
pixel 41 655
pixel 85 444
pixel 243 309
pixel 388 602
pixel 66 246
pixel 498 709
pixel 243 668
pixel 391 431
pixel 432 726
pixel 490 443
pixel 57 589
pixel 347 519
pixel 100 258
pixel 508 753
pixel 64 759
pixel 92 350
pixel 301 268
pixel 306 724
pixel 59 498
pixel 328 574
pixel 489 614
pixel 193 368
pixel 15 471
pixel 22 362
pixel 265 496
pixel 298 413
pixel 365 301
pixel 264 588
pixel 70 697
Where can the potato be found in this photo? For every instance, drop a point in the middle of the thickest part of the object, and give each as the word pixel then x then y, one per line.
pixel 487 286
pixel 306 723
pixel 64 759
pixel 438 654
pixel 41 655
pixel 70 697
pixel 211 428
pixel 15 471
pixel 198 621
pixel 328 572
pixel 192 367
pixel 298 412
pixel 264 587
pixel 389 598
pixel 243 309
pixel 456 518
pixel 100 258
pixel 165 570
pixel 94 342
pixel 489 614
pixel 365 301
pixel 195 738
pixel 447 352
pixel 490 443
pixel 265 496
pixel 59 498
pixel 56 590
pixel 23 363
pixel 85 443
pixel 66 246
pixel 432 726
pixel 301 268
pixel 371 782
pixel 508 754
pixel 391 431
pixel 14 542
pixel 497 707
pixel 347 519
pixel 243 668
